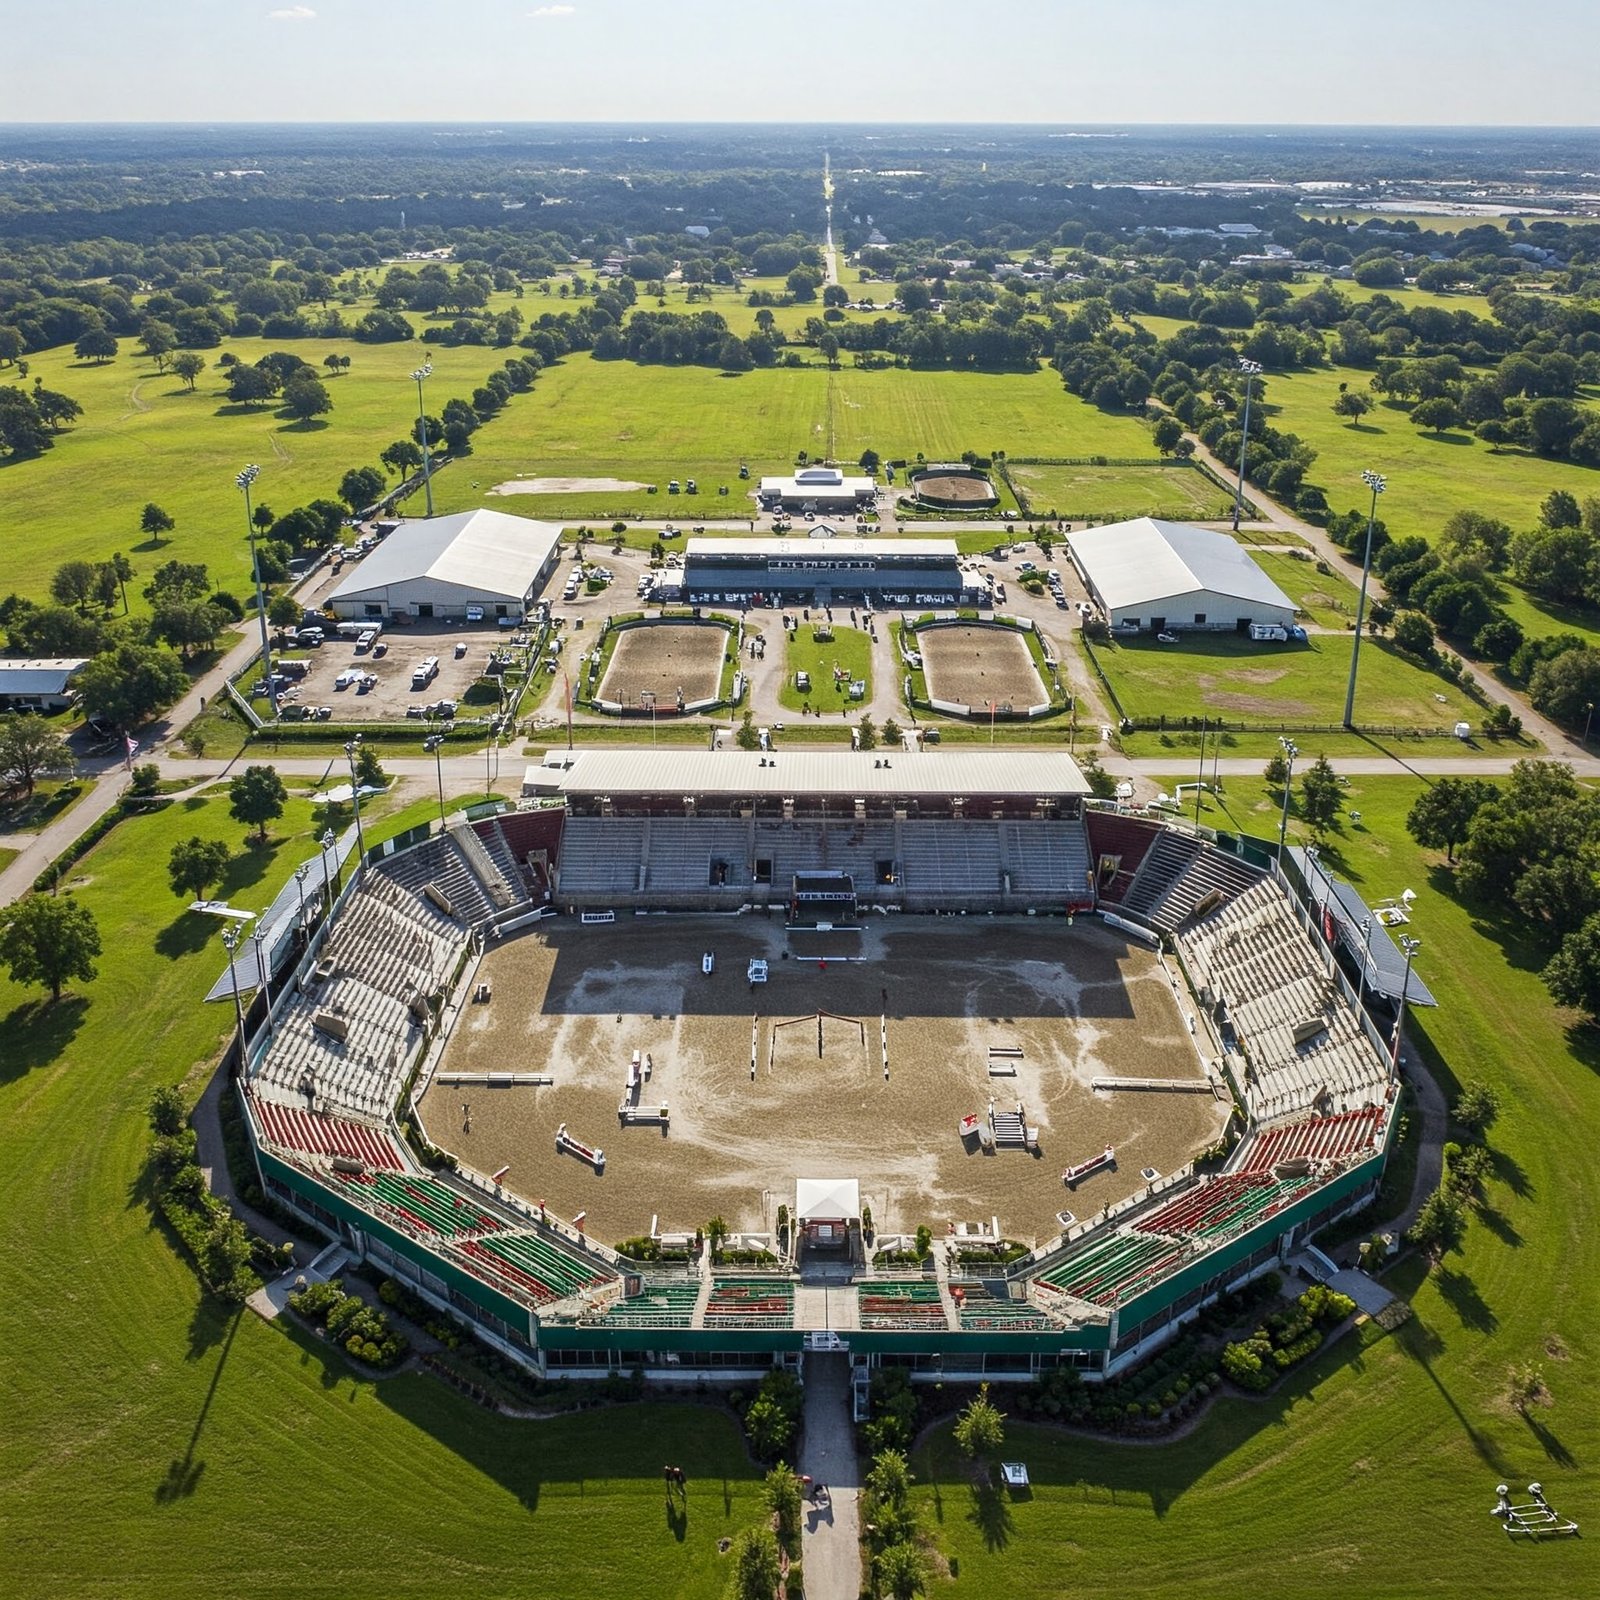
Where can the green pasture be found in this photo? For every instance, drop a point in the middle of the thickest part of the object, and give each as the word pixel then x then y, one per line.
pixel 141 1418
pixel 1181 494
pixel 1370 1471
pixel 1326 599
pixel 1240 680
pixel 1405 294
pixel 143 437
pixel 849 650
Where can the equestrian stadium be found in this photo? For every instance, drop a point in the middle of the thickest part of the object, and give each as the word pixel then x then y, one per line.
pixel 1114 1065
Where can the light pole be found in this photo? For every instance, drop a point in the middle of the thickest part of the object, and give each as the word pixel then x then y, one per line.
pixel 244 480
pixel 326 843
pixel 355 793
pixel 1251 371
pixel 230 939
pixel 301 873
pixel 431 746
pixel 263 978
pixel 1200 776
pixel 1376 483
pixel 1290 751
pixel 1410 946
pixel 422 433
pixel 1366 961
pixel 1588 719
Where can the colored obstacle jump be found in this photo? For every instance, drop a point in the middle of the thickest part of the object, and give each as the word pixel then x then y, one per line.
pixel 1075 1175
pixel 1166 1085
pixel 1011 1130
pixel 1003 1059
pixel 972 1126
pixel 576 1147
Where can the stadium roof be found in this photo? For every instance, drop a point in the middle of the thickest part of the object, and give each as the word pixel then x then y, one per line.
pixel 834 546
pixel 1135 563
pixel 1386 971
pixel 785 772
pixel 479 550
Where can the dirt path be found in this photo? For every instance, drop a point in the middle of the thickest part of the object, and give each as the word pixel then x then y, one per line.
pixel 136 404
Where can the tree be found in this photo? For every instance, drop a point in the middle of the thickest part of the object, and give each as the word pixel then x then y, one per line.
pixel 188 364
pixel 1573 974
pixel 870 461
pixel 1413 634
pixel 369 769
pixel 980 1429
pixel 828 346
pixel 1276 771
pixel 336 364
pixel 747 738
pixel 256 797
pixel 155 522
pixel 361 487
pixel 1166 433
pixel 769 1426
pixel 96 344
pixel 1441 1224
pixel 304 397
pixel 187 624
pixel 893 734
pixel 1351 404
pixel 867 734
pixel 1568 687
pixel 75 583
pixel 167 1111
pixel 1437 415
pixel 158 340
pixel 781 1496
pixel 251 385
pixel 129 683
pixel 901 1571
pixel 402 457
pixel 1321 796
pixel 1441 816
pixel 195 864
pixel 283 611
pixel 1476 1107
pixel 1471 536
pixel 29 750
pixel 49 939
pixel 757 1570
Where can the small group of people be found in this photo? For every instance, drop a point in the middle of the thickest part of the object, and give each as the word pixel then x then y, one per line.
pixel 675 1480
pixel 815 1491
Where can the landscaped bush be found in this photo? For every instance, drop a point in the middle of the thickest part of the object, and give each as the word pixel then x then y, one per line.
pixel 1286 1338
pixel 351 1322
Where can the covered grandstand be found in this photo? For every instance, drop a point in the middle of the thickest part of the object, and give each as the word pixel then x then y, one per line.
pixel 823 570
pixel 331 1082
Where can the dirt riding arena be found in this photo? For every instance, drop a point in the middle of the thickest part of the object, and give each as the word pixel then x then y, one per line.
pixel 979 664
pixel 956 488
pixel 671 660
pixel 1062 1004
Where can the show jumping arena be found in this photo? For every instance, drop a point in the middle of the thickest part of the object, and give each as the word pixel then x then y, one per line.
pixel 1008 1009
pixel 980 664
pixel 954 488
pixel 673 661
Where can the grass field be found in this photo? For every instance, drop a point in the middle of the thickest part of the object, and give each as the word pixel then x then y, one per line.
pixel 849 650
pixel 141 1419
pixel 1242 681
pixel 1372 1469
pixel 1183 494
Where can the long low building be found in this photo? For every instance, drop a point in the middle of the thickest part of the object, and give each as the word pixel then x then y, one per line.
pixel 43 684
pixel 816 489
pixel 475 566
pixel 1150 576
pixel 825 568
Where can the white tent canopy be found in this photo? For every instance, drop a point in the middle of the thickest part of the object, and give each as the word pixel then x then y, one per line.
pixel 826 1199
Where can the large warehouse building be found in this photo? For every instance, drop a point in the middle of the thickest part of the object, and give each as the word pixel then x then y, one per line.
pixel 472 567
pixel 816 489
pixel 822 570
pixel 1155 577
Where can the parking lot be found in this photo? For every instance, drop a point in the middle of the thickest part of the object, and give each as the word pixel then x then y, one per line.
pixel 384 691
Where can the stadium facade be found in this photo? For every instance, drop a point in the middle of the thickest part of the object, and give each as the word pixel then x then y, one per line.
pixel 359 1004
pixel 830 568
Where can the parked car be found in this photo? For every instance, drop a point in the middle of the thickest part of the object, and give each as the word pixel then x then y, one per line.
pixel 1166 638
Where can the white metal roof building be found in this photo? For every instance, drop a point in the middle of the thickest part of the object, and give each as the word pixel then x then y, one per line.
pixel 918 571
pixel 42 684
pixel 1156 576
pixel 817 489
pixel 474 566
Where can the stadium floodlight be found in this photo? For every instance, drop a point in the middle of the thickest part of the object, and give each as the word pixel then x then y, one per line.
pixel 431 746
pixel 422 433
pixel 301 873
pixel 325 844
pixel 350 750
pixel 1366 961
pixel 1376 482
pixel 1410 946
pixel 230 939
pixel 1251 371
pixel 243 483
pixel 1290 751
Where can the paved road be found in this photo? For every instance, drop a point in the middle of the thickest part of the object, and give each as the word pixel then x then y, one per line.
pixel 830 1539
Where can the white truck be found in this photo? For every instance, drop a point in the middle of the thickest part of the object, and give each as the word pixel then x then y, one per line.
pixel 1269 633
pixel 756 972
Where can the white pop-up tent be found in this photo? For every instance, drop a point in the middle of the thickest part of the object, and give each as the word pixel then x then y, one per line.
pixel 825 1207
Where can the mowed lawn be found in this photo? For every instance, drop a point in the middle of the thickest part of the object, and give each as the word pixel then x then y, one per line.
pixel 849 650
pixel 1239 680
pixel 155 1445
pixel 144 437
pixel 1371 1472
pixel 1181 494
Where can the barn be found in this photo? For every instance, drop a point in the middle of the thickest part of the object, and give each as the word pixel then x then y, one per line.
pixel 1149 576
pixel 475 566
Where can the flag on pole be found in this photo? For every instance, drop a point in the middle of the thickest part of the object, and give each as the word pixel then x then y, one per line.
pixel 131 745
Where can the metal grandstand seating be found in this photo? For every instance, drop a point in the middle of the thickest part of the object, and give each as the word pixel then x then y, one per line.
pixel 426 1206
pixel 295 1129
pixel 1049 857
pixel 682 850
pixel 750 1303
pixel 946 863
pixel 512 872
pixel 1130 838
pixel 601 856
pixel 978 1311
pixel 1349 1136
pixel 1109 1269
pixel 1179 872
pixel 540 1268
pixel 660 1303
pixel 1224 1205
pixel 900 1304
pixel 441 863
pixel 1253 955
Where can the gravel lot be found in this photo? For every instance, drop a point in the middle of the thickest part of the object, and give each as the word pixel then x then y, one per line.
pixel 576 1001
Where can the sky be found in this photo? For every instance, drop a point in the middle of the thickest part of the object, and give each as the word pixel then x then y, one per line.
pixel 1427 62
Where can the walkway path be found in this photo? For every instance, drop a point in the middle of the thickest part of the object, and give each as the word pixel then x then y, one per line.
pixel 830 1540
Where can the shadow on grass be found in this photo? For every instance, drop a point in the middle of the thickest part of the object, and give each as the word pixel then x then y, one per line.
pixel 1421 1343
pixel 187 933
pixel 1500 1225
pixel 183 1472
pixel 1509 1171
pixel 25 813
pixel 990 1514
pixel 37 1033
pixel 1461 1294
pixel 1549 1441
